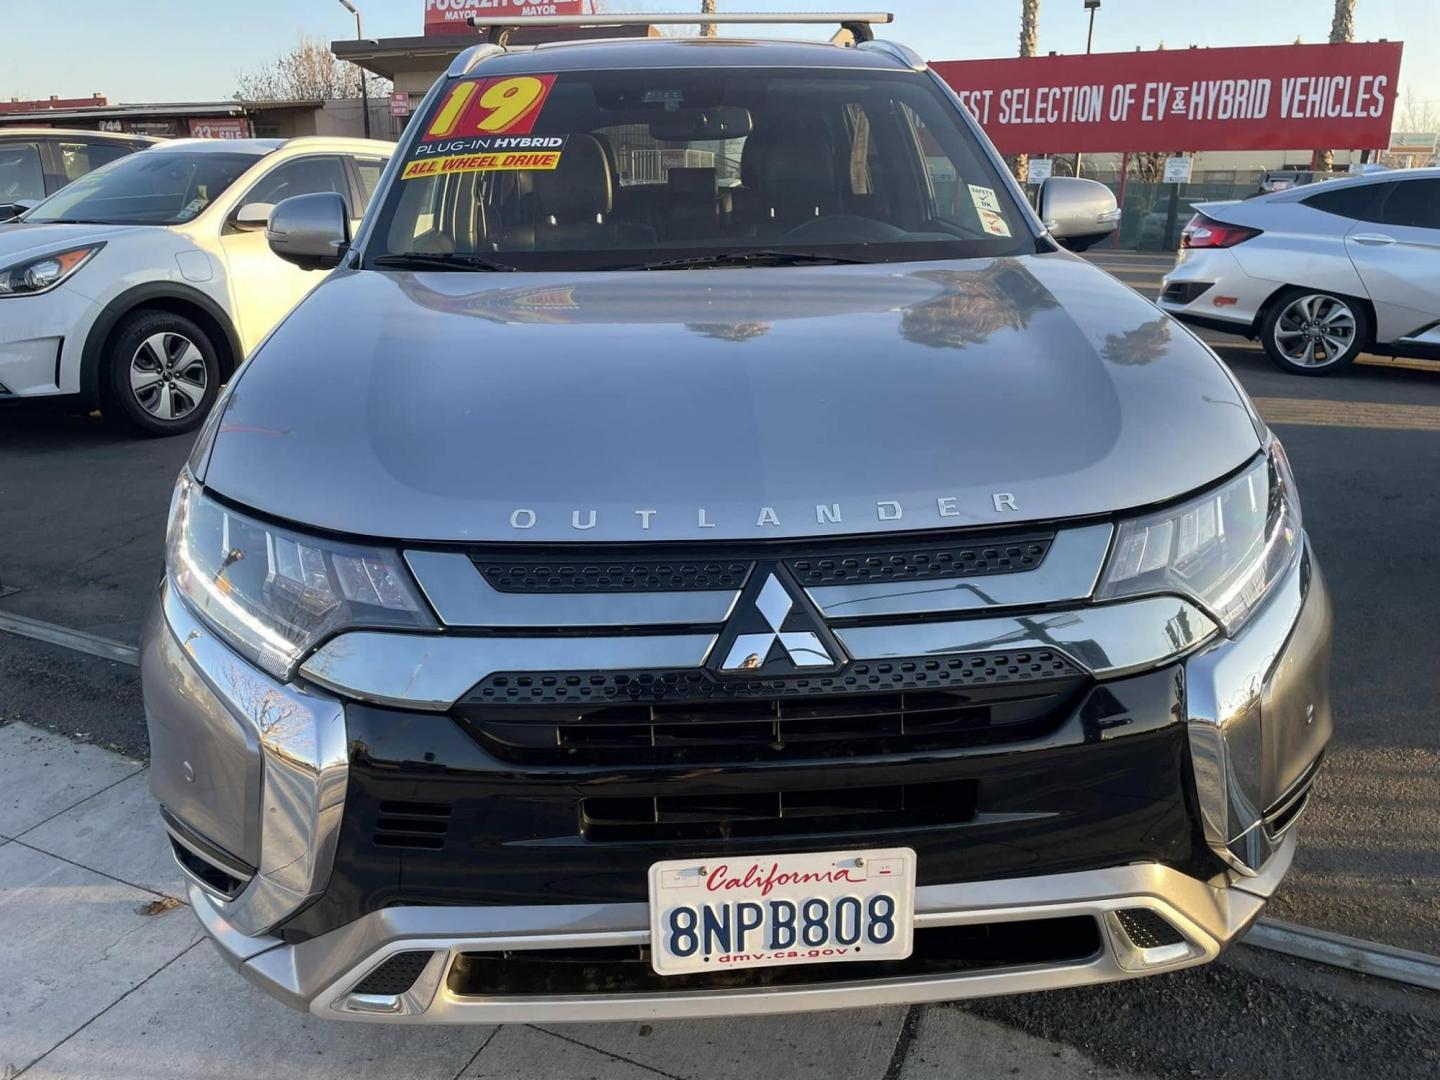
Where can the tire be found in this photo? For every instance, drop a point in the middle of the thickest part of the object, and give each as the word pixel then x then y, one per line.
pixel 160 375
pixel 1314 332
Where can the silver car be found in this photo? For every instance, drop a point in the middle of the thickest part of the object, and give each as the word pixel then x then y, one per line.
pixel 708 549
pixel 1320 273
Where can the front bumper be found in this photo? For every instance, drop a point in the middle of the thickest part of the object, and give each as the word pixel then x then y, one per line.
pixel 1251 712
pixel 41 338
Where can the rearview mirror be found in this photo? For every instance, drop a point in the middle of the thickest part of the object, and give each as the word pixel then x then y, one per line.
pixel 721 122
pixel 253 216
pixel 1078 213
pixel 311 231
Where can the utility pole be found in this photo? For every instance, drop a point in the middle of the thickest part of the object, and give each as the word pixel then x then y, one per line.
pixel 364 86
pixel 1091 6
pixel 707 7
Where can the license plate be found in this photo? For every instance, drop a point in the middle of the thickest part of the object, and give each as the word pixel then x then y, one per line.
pixel 777 910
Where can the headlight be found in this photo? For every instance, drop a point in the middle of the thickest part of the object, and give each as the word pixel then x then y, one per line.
pixel 273 593
pixel 42 274
pixel 1224 549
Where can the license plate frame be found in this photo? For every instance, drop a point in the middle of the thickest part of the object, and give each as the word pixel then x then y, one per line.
pixel 726 938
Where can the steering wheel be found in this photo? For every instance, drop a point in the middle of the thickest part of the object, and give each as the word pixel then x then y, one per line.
pixel 845 228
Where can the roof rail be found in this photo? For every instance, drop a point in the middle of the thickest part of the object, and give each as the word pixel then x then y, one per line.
pixel 858 23
pixel 475 54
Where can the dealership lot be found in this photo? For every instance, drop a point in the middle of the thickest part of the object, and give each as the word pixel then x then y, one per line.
pixel 80 542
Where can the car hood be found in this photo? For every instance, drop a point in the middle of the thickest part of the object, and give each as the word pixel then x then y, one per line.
pixel 723 404
pixel 19 239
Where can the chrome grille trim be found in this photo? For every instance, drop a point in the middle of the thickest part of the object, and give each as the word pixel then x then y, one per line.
pixel 461 596
pixel 1069 572
pixel 1108 640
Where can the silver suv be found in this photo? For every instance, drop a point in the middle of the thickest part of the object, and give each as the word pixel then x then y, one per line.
pixel 707 549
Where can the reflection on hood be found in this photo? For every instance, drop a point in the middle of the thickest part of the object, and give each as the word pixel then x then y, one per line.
pixel 1145 343
pixel 1001 296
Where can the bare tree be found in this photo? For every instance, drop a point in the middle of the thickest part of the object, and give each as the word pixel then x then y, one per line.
pixel 1418 116
pixel 709 29
pixel 1342 29
pixel 308 72
pixel 1029 34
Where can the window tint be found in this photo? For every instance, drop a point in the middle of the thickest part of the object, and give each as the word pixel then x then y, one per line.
pixel 369 170
pixel 1415 203
pixel 1350 201
pixel 79 158
pixel 302 176
pixel 21 176
pixel 163 187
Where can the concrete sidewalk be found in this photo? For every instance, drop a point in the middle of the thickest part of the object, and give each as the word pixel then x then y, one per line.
pixel 107 975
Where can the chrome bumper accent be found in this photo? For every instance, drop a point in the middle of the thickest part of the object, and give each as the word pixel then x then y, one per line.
pixel 1108 639
pixel 317 975
pixel 1260 717
pixel 293 737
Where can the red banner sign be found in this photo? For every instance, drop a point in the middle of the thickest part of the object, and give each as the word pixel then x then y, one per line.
pixel 1282 97
pixel 220 129
pixel 452 16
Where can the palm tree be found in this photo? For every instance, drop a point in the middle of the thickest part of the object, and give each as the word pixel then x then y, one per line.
pixel 1342 28
pixel 1029 23
pixel 707 7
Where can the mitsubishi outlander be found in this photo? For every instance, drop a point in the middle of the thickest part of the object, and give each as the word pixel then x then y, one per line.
pixel 710 548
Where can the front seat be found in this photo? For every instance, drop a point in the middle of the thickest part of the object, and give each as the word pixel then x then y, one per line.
pixel 572 203
pixel 789 178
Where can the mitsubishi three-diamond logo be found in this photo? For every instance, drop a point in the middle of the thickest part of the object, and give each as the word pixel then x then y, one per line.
pixel 773 633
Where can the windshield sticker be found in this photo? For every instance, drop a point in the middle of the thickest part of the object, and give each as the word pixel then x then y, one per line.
pixel 984 198
pixel 502 153
pixel 508 106
pixel 993 223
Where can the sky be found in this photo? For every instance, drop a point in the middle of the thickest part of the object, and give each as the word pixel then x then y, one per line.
pixel 192 50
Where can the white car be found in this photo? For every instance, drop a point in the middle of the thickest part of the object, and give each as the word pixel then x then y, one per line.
pixel 140 287
pixel 1319 273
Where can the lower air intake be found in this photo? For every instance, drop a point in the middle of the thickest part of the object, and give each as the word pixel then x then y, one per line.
pixel 1148 929
pixel 395 975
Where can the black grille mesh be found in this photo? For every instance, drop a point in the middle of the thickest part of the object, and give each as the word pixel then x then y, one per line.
pixel 573 687
pixel 556 576
pixel 941 561
pixel 1148 929
pixel 395 975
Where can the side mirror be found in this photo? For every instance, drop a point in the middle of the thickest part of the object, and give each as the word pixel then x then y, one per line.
pixel 252 216
pixel 311 231
pixel 1078 213
pixel 11 211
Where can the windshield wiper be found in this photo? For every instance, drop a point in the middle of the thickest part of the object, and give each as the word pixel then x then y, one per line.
pixel 420 260
pixel 746 258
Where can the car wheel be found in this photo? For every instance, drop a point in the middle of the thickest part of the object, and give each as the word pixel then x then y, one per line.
pixel 1308 332
pixel 162 374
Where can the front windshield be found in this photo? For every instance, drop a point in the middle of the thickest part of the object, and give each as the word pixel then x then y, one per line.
pixel 149 188
pixel 636 167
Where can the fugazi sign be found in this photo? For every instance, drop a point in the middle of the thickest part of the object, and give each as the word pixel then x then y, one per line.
pixel 452 16
pixel 1283 97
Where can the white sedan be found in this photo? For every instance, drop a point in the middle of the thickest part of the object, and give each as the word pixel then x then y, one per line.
pixel 140 287
pixel 1319 273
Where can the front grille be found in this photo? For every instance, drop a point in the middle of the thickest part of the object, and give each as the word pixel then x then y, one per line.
pixel 412 825
pixel 661 720
pixel 606 575
pixel 1147 928
pixel 941 561
pixel 776 813
pixel 395 975
pixel 939 951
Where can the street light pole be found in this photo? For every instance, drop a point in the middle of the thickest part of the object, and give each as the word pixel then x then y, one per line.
pixel 1091 6
pixel 364 86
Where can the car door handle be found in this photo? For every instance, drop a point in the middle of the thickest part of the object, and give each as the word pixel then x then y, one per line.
pixel 1373 239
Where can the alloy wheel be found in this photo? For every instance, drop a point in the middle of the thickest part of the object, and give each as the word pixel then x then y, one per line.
pixel 168 376
pixel 1314 330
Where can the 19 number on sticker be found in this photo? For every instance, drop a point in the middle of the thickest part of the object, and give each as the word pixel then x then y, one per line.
pixel 508 106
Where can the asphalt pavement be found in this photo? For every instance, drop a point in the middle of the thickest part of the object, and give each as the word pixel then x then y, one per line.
pixel 82 516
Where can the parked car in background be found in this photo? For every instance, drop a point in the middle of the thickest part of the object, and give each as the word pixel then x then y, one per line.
pixel 1285 179
pixel 139 288
pixel 692 598
pixel 36 162
pixel 1319 275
